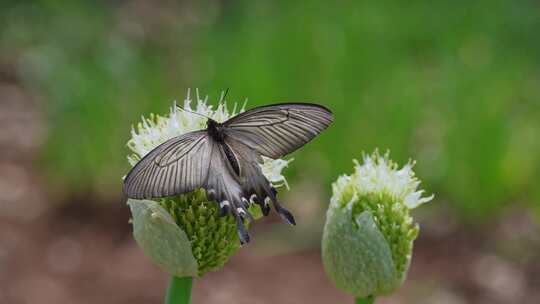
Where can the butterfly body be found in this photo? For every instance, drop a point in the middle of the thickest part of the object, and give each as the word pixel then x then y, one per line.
pixel 225 159
pixel 215 130
pixel 217 133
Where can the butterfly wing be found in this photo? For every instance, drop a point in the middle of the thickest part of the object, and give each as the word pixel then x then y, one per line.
pixel 277 130
pixel 179 165
pixel 255 185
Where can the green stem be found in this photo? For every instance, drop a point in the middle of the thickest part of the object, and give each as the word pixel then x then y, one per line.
pixel 368 300
pixel 179 291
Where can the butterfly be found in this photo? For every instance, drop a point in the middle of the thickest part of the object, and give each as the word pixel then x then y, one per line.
pixel 225 159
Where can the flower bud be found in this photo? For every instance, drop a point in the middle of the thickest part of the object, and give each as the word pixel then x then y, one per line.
pixel 368 235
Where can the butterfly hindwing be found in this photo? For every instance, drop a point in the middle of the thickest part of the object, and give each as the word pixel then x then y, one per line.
pixel 224 186
pixel 255 185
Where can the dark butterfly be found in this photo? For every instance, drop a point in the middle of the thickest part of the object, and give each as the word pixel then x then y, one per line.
pixel 224 159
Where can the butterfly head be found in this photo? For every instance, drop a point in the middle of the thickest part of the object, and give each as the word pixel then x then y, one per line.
pixel 215 129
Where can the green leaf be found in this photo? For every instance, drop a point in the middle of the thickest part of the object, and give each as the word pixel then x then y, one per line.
pixel 356 256
pixel 161 239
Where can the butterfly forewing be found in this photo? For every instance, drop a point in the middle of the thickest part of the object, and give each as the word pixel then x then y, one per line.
pixel 177 166
pixel 280 129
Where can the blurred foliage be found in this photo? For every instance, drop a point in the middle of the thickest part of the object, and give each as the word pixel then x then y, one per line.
pixel 452 84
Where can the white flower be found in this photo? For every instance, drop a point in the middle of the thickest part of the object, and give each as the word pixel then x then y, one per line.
pixel 272 168
pixel 378 174
pixel 155 130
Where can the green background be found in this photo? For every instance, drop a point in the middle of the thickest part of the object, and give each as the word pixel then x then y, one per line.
pixel 454 85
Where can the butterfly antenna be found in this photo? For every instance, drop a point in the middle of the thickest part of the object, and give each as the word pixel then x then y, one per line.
pixel 222 99
pixel 182 108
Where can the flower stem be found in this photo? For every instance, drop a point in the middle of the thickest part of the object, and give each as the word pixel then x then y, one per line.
pixel 179 291
pixel 367 300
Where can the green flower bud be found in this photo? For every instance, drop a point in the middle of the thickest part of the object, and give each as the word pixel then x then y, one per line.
pixel 184 235
pixel 368 236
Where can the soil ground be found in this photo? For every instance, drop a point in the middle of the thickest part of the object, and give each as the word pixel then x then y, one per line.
pixel 83 254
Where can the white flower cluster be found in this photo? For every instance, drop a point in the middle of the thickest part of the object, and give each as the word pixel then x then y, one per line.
pixel 379 175
pixel 155 130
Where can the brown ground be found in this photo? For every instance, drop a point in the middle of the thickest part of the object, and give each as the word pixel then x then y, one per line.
pixel 87 255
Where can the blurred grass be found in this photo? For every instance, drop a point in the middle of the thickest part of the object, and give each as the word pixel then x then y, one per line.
pixel 452 84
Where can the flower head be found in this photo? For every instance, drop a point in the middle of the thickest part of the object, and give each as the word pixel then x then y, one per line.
pixel 156 129
pixel 177 232
pixel 369 233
